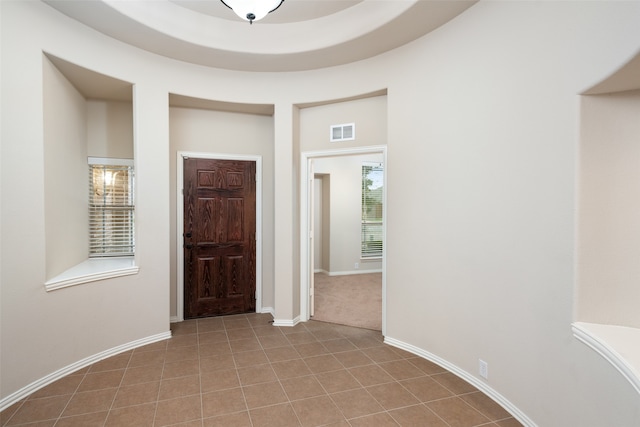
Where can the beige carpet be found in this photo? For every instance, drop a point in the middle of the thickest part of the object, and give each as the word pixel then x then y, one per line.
pixel 352 300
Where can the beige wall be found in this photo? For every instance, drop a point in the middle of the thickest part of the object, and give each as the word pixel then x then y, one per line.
pixel 482 138
pixel 609 210
pixel 219 132
pixel 65 172
pixel 110 129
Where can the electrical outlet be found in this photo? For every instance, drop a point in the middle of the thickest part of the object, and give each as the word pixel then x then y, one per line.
pixel 483 369
pixel 356 265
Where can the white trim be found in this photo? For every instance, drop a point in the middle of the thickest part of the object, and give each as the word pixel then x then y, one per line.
pixel 92 270
pixel 351 272
pixel 174 319
pixel 286 322
pixel 305 206
pixel 479 384
pixel 619 345
pixel 109 161
pixel 180 222
pixel 87 361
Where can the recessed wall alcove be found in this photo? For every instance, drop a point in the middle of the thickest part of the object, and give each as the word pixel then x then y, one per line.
pixel 608 285
pixel 86 114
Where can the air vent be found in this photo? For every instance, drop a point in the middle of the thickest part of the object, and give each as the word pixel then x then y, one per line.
pixel 345 132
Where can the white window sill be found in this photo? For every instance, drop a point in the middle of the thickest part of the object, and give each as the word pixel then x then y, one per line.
pixel 619 345
pixel 91 270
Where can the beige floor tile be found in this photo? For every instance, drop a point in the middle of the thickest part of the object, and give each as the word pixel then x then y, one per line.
pixel 245 345
pixel 392 395
pixel 291 369
pixel 302 387
pixel 401 370
pixel 178 410
pixel 90 401
pixel 274 416
pixel 95 419
pixel 417 416
pixel 232 322
pixel 273 341
pixel 152 357
pixel 182 368
pixel 509 422
pixel 426 389
pixel 219 380
pixel 454 383
pixel 43 409
pixel 326 334
pixel 456 412
pixel 281 353
pixel 217 363
pixel 336 381
pixel 378 420
pixel 370 375
pixel 381 354
pixel 142 374
pixel 324 363
pixel 179 387
pixel 119 361
pixel 189 340
pixel 184 328
pixel 101 380
pixel 65 385
pixel 182 353
pixel 351 359
pixel 214 349
pixel 256 374
pixel 242 371
pixel 240 419
pixel 264 394
pixel 356 403
pixel 317 411
pixel 210 324
pixel 301 338
pixel 486 406
pixel 212 337
pixel 139 416
pixel 137 394
pixel 426 366
pixel 223 402
pixel 240 334
pixel 339 345
pixel 311 349
pixel 250 358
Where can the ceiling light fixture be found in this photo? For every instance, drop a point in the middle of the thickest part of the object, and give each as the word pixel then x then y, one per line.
pixel 252 10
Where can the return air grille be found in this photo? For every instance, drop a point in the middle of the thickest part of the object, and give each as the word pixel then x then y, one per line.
pixel 344 132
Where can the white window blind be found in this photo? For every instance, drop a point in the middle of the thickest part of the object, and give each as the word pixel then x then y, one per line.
pixel 111 207
pixel 372 189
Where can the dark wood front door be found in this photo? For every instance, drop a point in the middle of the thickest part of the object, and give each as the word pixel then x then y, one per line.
pixel 219 237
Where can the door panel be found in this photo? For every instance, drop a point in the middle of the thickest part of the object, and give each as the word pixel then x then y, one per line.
pixel 219 237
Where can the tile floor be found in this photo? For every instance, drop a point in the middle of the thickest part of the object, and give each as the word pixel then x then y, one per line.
pixel 242 371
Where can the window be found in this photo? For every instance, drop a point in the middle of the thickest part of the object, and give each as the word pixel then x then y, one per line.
pixel 372 188
pixel 111 207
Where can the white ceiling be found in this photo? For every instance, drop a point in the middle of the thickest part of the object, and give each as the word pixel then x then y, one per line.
pixel 300 35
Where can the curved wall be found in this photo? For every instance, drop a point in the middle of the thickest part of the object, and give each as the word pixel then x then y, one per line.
pixel 482 145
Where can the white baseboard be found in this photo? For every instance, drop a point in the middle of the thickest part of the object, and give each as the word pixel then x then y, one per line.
pixel 480 385
pixel 287 322
pixel 54 376
pixel 348 273
pixel 175 319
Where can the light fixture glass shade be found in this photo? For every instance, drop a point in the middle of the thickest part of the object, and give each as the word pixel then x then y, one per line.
pixel 252 10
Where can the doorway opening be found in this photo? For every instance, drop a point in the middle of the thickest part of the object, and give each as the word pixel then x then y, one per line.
pixel 348 265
